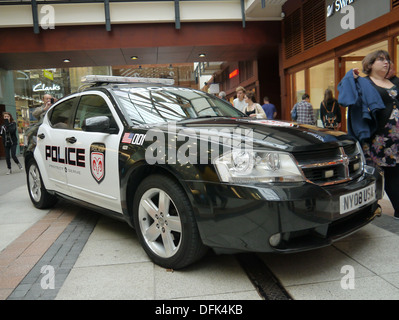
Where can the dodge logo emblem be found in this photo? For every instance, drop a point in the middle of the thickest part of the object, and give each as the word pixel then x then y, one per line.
pixel 97 161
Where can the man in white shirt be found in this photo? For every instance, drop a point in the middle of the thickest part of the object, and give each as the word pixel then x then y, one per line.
pixel 239 102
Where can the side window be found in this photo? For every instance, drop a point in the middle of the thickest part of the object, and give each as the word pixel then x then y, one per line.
pixel 61 114
pixel 92 106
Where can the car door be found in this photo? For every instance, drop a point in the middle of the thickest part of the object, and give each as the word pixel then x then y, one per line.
pixel 51 153
pixel 95 179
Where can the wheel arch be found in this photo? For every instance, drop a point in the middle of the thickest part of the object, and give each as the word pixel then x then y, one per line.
pixel 27 157
pixel 134 179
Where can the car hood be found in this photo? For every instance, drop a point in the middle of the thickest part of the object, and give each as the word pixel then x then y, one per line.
pixel 270 134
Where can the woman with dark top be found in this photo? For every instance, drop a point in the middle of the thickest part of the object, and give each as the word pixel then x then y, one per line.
pixel 253 109
pixel 330 112
pixel 381 148
pixel 10 140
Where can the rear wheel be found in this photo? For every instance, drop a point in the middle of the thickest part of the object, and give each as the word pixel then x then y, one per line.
pixel 165 223
pixel 38 194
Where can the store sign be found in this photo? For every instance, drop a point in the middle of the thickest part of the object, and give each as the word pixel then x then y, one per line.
pixel 233 74
pixel 337 5
pixel 48 74
pixel 42 87
pixel 344 16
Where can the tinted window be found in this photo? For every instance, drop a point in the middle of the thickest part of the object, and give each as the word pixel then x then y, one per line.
pixel 153 105
pixel 61 114
pixel 92 106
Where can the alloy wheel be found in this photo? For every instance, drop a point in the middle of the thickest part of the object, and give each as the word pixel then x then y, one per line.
pixel 160 223
pixel 34 183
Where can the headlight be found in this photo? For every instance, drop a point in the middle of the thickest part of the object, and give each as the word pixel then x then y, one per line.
pixel 241 166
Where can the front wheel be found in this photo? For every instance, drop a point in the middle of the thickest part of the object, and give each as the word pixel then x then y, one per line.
pixel 165 223
pixel 38 194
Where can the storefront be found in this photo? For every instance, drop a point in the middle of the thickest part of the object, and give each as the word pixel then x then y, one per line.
pixel 29 88
pixel 22 91
pixel 322 40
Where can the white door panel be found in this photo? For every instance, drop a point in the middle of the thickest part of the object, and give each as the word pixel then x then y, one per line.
pixel 97 181
pixel 51 155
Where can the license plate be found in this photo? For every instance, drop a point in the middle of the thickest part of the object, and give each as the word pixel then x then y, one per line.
pixel 357 199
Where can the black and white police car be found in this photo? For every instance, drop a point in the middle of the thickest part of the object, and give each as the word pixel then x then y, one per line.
pixel 189 172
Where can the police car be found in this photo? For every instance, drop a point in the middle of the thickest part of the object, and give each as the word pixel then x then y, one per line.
pixel 189 172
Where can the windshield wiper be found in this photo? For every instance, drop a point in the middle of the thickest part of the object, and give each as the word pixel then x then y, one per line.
pixel 208 116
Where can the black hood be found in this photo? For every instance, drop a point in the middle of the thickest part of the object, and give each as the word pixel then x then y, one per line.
pixel 270 134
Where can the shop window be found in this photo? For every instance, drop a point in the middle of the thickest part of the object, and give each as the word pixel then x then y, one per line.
pixel 299 85
pixel 321 77
pixel 355 58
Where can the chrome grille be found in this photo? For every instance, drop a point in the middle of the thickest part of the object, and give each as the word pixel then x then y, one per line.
pixel 331 166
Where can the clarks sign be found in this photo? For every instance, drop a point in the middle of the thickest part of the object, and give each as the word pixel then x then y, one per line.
pixel 42 87
pixel 337 5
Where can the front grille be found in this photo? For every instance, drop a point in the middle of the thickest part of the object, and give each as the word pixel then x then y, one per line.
pixel 331 166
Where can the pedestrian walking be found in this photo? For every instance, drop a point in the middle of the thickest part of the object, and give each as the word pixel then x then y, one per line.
pixel 10 140
pixel 330 112
pixel 239 102
pixel 269 108
pixel 252 108
pixel 304 111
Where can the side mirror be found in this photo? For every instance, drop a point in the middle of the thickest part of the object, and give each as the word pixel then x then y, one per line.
pixel 98 124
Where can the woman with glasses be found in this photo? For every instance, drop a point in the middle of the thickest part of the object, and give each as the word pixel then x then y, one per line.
pixel 378 94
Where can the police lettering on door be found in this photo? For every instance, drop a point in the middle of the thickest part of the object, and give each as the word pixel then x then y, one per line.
pixel 67 155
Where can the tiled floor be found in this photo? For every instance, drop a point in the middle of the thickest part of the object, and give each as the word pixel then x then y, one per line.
pixel 20 256
pixel 104 260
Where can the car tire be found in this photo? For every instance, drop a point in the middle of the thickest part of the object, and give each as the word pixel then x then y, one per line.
pixel 38 194
pixel 165 223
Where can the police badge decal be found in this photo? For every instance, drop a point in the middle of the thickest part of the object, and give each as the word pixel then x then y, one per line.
pixel 97 161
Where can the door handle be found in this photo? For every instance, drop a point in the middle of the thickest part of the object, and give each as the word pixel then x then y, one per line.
pixel 71 139
pixel 41 136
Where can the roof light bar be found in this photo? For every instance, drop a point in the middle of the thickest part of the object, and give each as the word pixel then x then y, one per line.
pixel 116 79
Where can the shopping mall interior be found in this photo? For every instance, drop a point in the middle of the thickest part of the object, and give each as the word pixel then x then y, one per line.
pixel 280 49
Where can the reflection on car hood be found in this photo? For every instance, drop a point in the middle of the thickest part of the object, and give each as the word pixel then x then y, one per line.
pixel 272 134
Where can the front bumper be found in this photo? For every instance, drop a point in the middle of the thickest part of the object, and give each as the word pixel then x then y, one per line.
pixel 235 218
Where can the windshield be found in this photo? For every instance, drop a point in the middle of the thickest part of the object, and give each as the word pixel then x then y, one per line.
pixel 164 104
